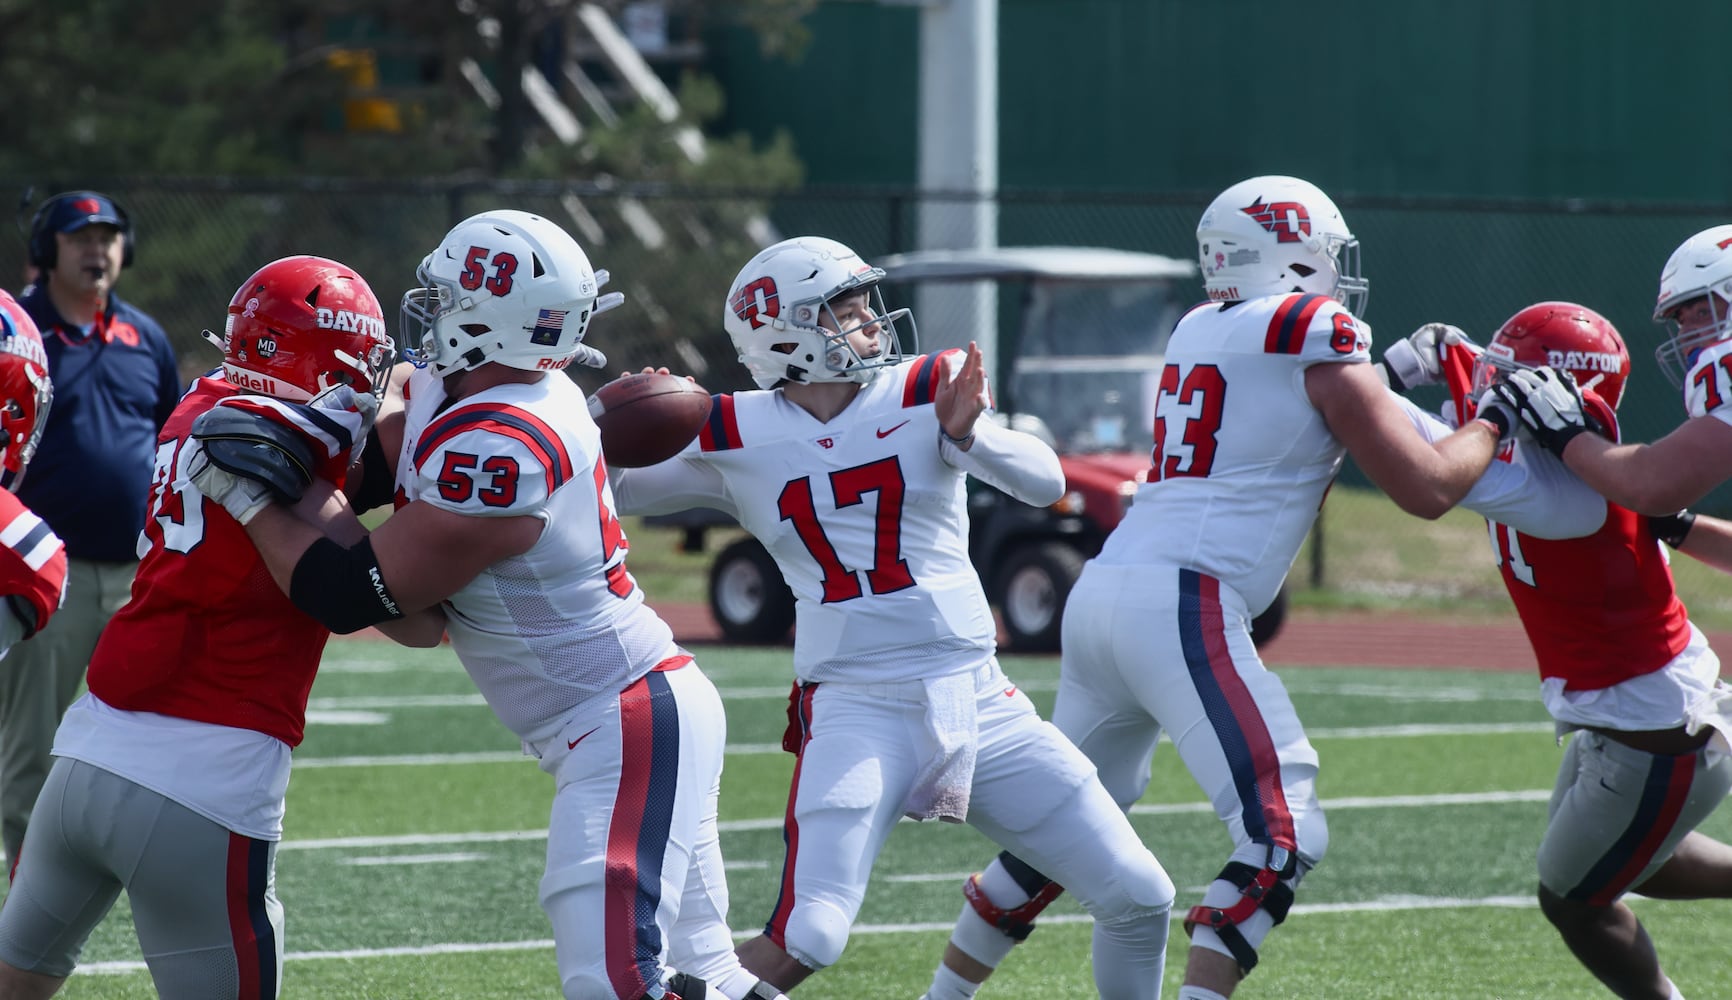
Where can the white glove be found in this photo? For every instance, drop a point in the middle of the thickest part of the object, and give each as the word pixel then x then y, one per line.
pixel 1548 404
pixel 1418 360
pixel 347 399
pixel 243 498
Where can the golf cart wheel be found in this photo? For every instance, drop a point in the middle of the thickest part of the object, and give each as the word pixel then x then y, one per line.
pixel 748 597
pixel 1032 589
pixel 1267 625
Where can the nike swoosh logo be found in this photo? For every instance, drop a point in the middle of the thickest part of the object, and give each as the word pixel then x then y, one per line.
pixel 886 433
pixel 1010 692
pixel 572 745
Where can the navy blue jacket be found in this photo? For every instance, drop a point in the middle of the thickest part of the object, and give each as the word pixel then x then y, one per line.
pixel 113 390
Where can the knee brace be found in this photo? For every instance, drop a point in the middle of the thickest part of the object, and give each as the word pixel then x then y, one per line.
pixel 815 936
pixel 1017 923
pixel 1267 888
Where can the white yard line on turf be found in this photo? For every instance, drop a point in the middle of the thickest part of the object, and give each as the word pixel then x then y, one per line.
pixel 1381 905
pixel 775 822
pixel 759 749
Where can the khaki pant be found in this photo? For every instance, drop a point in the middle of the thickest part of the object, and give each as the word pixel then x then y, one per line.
pixel 39 678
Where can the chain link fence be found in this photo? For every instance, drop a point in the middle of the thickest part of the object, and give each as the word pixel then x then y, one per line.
pixel 674 252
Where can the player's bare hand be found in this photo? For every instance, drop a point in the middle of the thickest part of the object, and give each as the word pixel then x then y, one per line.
pixel 960 401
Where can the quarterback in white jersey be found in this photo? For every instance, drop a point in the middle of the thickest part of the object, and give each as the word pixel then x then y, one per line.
pixel 849 466
pixel 1265 389
pixel 505 520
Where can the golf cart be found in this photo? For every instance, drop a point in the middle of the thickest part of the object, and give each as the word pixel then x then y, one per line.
pixel 1079 359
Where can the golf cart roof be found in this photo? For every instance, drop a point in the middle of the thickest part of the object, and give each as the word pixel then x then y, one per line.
pixel 1045 263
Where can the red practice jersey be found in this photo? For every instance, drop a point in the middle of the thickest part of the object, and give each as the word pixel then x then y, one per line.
pixel 208 635
pixel 32 564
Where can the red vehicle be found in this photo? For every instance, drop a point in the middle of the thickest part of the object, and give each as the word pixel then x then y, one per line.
pixel 1078 365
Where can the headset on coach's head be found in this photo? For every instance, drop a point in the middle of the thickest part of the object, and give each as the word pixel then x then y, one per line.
pixel 53 214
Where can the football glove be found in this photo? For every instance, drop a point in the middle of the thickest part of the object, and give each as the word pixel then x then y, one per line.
pixel 1418 360
pixel 1494 410
pixel 1548 404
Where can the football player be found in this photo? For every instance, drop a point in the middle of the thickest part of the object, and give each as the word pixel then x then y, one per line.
pixel 33 562
pixel 849 463
pixel 1621 665
pixel 1266 386
pixel 505 517
pixel 1666 476
pixel 170 773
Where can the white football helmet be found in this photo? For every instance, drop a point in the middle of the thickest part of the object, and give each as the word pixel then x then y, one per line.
pixel 774 306
pixel 1701 266
pixel 1273 235
pixel 507 287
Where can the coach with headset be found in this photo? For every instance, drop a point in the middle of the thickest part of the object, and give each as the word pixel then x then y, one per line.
pixel 115 383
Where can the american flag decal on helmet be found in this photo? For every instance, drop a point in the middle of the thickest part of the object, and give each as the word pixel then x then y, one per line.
pixel 549 324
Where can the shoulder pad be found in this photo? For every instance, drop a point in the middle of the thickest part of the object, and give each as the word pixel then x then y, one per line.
pixel 1316 328
pixel 490 458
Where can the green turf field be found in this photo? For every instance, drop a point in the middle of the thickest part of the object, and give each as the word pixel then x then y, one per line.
pixel 415 835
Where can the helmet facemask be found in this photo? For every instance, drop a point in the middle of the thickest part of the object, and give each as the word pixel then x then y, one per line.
pixel 1677 355
pixel 842 362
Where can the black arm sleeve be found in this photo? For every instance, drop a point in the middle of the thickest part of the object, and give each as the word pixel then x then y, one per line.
pixel 342 588
pixel 376 485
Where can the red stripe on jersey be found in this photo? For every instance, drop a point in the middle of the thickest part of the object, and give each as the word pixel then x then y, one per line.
pixel 1287 328
pixel 620 891
pixel 1682 772
pixel 1265 761
pixel 242 913
pixel 920 386
pixel 506 420
pixel 722 431
pixel 799 714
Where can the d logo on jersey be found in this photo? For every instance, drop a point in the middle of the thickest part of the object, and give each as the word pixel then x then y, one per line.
pixel 757 299
pixel 1288 220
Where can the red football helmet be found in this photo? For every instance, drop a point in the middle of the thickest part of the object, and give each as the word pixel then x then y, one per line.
pixel 1563 335
pixel 25 391
pixel 301 325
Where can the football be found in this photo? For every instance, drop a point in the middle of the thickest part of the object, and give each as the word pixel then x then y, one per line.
pixel 647 418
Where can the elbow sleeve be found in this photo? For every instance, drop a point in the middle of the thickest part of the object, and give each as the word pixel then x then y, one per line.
pixel 342 588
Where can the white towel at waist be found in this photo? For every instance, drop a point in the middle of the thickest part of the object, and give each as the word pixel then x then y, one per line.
pixel 941 789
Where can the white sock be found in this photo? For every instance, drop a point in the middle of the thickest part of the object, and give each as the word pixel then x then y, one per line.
pixel 947 985
pixel 1198 993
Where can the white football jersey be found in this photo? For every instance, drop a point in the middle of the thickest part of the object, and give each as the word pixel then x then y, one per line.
pixel 866 519
pixel 1241 459
pixel 1708 386
pixel 543 631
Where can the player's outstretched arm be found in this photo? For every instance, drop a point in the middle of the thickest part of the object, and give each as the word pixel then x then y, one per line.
pixel 1423 478
pixel 417 558
pixel 1671 473
pixel 1707 540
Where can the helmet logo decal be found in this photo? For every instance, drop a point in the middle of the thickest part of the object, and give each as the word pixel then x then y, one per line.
pixel 266 347
pixel 549 325
pixel 1592 361
pixel 758 299
pixel 349 321
pixel 252 308
pixel 1288 220
pixel 475 276
pixel 1723 244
